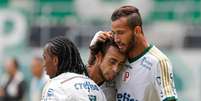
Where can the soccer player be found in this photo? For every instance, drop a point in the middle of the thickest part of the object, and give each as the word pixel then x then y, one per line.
pixel 64 66
pixel 149 76
pixel 105 61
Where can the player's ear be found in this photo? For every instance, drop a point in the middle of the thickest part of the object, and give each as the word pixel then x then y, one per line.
pixel 138 30
pixel 99 58
pixel 55 61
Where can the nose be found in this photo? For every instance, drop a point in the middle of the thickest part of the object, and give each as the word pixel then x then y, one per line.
pixel 43 64
pixel 115 68
pixel 116 38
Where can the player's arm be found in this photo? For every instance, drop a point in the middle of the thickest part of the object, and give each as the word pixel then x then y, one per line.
pixel 164 81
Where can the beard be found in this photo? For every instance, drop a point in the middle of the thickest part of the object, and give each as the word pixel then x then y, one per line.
pixel 101 73
pixel 131 43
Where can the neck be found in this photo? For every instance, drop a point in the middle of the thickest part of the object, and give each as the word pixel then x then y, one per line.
pixel 95 74
pixel 140 44
pixel 13 73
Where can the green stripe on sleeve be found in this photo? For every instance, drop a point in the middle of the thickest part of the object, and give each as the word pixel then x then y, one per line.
pixel 172 98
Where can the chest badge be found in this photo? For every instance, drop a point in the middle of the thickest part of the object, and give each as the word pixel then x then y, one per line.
pixel 126 76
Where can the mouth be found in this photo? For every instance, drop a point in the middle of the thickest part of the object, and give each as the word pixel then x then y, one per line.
pixel 110 76
pixel 120 45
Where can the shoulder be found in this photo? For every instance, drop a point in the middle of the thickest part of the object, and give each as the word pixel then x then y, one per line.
pixel 156 60
pixel 51 85
pixel 161 61
pixel 77 81
pixel 52 91
pixel 156 55
pixel 19 77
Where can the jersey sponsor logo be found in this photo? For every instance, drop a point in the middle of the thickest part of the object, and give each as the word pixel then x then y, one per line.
pixel 86 85
pixel 146 63
pixel 125 97
pixel 92 97
pixel 126 76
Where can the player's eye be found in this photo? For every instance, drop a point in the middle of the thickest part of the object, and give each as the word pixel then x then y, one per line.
pixel 112 61
pixel 119 32
pixel 121 65
pixel 113 33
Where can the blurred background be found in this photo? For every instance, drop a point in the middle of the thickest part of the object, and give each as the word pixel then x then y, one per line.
pixel 174 26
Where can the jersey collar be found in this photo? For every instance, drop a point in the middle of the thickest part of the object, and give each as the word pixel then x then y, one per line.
pixel 139 56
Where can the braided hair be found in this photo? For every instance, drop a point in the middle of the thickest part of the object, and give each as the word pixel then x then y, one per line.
pixel 69 59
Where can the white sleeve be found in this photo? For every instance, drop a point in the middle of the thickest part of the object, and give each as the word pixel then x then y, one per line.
pixel 164 81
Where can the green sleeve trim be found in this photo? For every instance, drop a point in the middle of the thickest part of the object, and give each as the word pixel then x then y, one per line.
pixel 172 98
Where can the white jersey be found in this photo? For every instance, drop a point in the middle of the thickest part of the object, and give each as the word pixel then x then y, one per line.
pixel 109 90
pixel 72 87
pixel 148 77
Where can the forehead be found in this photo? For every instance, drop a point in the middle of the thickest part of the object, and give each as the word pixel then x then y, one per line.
pixel 120 23
pixel 46 51
pixel 114 53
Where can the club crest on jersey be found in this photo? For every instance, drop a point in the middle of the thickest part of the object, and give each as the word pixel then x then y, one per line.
pixel 126 76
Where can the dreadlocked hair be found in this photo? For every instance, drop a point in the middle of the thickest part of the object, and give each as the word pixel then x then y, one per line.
pixel 69 59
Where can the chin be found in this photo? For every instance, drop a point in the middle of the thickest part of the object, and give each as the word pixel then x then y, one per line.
pixel 110 78
pixel 123 50
pixel 51 76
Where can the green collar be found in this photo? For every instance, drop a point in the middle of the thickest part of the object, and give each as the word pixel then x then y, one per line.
pixel 139 56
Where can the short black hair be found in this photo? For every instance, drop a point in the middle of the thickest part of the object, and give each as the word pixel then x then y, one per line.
pixel 132 14
pixel 101 47
pixel 69 59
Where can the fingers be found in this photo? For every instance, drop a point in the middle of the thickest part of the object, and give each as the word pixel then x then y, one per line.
pixel 100 36
pixel 111 34
pixel 104 36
